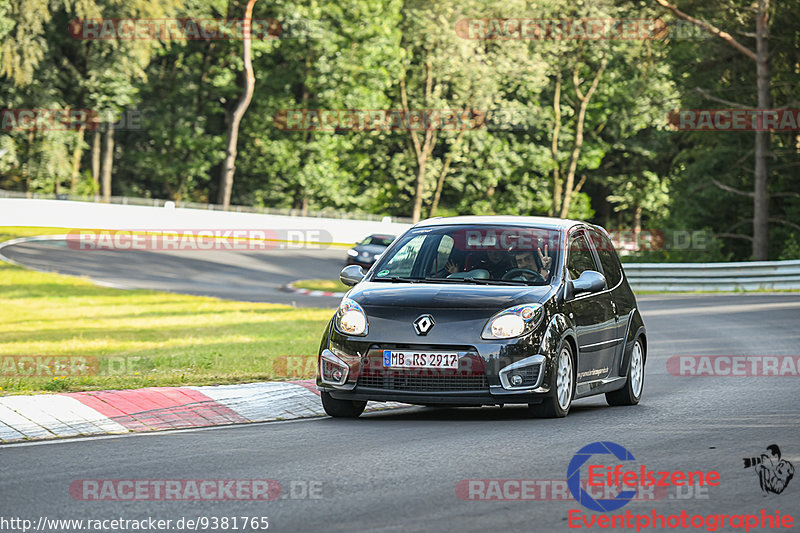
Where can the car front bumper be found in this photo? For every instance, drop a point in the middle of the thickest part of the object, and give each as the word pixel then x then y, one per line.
pixel 483 378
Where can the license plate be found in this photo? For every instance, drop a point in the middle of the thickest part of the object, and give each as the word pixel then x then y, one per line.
pixel 397 359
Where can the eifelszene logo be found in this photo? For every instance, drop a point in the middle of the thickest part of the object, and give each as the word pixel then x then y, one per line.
pixel 574 476
pixel 601 475
pixel 774 473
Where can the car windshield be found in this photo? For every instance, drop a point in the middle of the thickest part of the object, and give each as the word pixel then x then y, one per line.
pixel 380 240
pixel 492 255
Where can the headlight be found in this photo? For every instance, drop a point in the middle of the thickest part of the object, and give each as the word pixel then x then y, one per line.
pixel 352 253
pixel 513 322
pixel 350 318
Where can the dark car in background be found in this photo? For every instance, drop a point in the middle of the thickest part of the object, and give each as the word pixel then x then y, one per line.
pixel 367 251
pixel 486 311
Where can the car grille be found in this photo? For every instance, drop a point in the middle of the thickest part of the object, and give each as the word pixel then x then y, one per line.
pixel 470 376
pixel 424 383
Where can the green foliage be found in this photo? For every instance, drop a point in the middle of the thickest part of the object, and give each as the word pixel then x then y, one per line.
pixel 358 54
pixel 791 249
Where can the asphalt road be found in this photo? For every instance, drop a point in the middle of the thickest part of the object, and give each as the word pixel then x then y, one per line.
pixel 251 276
pixel 398 470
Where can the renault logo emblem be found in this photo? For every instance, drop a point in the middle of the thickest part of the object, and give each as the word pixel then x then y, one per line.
pixel 423 324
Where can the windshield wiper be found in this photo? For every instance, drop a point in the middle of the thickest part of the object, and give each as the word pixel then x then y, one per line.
pixel 476 281
pixel 479 281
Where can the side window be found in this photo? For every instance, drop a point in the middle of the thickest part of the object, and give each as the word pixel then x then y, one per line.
pixel 402 263
pixel 608 258
pixel 442 254
pixel 580 257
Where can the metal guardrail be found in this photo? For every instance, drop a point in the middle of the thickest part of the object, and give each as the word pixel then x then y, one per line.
pixel 742 276
pixel 155 202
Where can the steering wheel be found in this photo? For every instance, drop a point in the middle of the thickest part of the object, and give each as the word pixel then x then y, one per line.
pixel 525 273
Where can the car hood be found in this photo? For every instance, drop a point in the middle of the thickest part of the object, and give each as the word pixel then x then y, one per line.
pixel 446 296
pixel 370 248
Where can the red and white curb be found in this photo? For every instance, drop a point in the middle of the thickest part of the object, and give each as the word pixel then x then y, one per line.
pixel 308 292
pixel 75 414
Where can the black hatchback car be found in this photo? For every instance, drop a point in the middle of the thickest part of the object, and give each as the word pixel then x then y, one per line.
pixel 469 311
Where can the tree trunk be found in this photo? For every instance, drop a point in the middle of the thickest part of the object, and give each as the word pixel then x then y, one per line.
pixel 556 205
pixel 77 152
pixel 229 164
pixel 96 162
pixel 424 149
pixel 26 169
pixel 416 213
pixel 443 174
pixel 108 162
pixel 569 188
pixel 761 194
pixel 637 226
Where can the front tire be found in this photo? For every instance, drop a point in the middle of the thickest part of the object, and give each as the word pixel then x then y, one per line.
pixel 341 408
pixel 562 390
pixel 631 393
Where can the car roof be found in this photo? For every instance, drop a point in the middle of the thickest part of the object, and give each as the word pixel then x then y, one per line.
pixel 503 220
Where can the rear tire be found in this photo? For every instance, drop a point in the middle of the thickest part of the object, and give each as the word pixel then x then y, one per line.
pixel 341 408
pixel 631 393
pixel 562 390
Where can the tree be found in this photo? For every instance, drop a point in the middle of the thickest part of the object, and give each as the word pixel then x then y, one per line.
pixel 565 188
pixel 443 70
pixel 760 56
pixel 229 164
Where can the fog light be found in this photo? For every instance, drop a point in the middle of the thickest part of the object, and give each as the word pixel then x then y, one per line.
pixel 333 371
pixel 516 380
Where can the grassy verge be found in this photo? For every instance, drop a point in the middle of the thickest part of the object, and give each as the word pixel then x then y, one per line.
pixel 14 232
pixel 141 338
pixel 330 285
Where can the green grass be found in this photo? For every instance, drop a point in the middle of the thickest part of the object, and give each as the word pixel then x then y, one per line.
pixel 14 232
pixel 143 338
pixel 332 285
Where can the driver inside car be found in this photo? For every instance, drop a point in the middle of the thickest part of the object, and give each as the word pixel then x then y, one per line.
pixel 495 262
pixel 534 261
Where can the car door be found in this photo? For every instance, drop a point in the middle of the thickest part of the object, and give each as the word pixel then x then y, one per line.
pixel 612 270
pixel 592 314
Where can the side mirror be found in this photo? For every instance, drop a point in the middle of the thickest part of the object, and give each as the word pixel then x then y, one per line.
pixel 590 281
pixel 351 275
